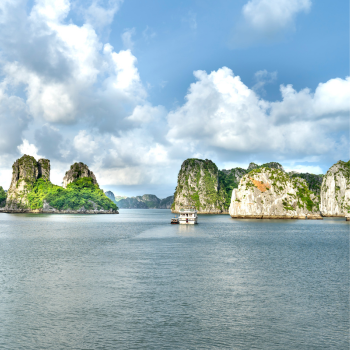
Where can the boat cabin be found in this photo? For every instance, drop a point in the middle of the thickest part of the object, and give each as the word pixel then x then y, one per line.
pixel 188 216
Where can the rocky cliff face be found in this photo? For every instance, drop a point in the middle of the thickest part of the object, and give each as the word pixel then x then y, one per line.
pixel 198 185
pixel 335 190
pixel 271 193
pixel 110 195
pixel 314 181
pixel 44 169
pixel 78 171
pixel 252 166
pixel 31 190
pixel 235 173
pixel 25 171
pixel 273 165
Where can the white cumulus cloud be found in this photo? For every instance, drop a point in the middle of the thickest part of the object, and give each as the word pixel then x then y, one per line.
pixel 29 149
pixel 221 112
pixel 68 74
pixel 77 98
pixel 267 20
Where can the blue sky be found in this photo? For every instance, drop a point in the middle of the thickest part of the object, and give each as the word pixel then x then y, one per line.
pixel 132 88
pixel 316 50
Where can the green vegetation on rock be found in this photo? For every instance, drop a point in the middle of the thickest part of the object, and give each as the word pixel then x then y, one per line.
pixel 199 186
pixel 280 180
pixel 2 197
pixel 78 194
pixel 229 181
pixel 314 181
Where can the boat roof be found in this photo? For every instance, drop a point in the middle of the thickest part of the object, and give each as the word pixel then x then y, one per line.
pixel 189 210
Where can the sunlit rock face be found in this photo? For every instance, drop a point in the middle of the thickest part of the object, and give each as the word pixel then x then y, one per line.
pixel 335 190
pixel 270 193
pixel 198 186
pixel 44 169
pixel 25 171
pixel 78 171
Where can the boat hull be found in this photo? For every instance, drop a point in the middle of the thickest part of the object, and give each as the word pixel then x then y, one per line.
pixel 192 222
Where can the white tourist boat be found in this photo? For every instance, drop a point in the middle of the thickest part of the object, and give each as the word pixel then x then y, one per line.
pixel 188 216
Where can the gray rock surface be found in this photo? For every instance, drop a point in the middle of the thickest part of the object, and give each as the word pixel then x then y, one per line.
pixel 252 166
pixel 25 171
pixel 236 173
pixel 77 171
pixel 335 190
pixel 272 165
pixel 271 193
pixel 198 186
pixel 110 195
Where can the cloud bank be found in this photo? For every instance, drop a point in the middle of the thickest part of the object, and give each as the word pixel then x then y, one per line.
pixel 68 95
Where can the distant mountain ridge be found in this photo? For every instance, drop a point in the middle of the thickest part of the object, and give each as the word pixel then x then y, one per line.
pixel 147 201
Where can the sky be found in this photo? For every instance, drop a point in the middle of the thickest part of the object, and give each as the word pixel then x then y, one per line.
pixel 133 88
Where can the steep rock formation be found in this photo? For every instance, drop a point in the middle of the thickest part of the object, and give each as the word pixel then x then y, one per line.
pixel 25 171
pixel 32 192
pixel 314 181
pixel 231 178
pixel 77 171
pixel 272 165
pixel 236 173
pixel 110 195
pixel 198 185
pixel 252 166
pixel 335 190
pixel 44 169
pixel 271 193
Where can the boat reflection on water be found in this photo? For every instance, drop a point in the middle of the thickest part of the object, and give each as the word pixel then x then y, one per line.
pixel 191 231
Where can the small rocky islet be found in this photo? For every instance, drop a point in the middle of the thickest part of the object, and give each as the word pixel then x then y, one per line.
pixel 263 191
pixel 31 190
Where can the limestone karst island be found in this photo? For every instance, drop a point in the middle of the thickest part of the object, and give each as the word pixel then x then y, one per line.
pixel 264 191
pixel 31 190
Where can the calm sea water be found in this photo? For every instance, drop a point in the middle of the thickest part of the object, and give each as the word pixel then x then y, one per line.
pixel 133 281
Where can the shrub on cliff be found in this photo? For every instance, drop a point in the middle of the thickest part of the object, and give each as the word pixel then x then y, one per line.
pixel 2 197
